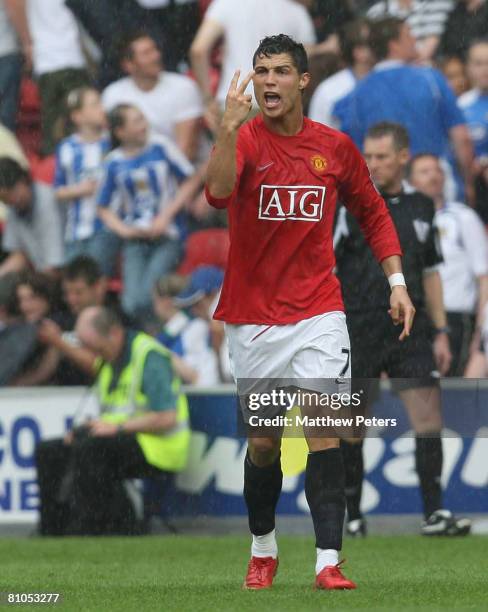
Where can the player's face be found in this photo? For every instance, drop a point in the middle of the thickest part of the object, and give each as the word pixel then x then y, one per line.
pixel 135 130
pixel 478 66
pixel 146 61
pixel 428 177
pixel 278 85
pixel 386 163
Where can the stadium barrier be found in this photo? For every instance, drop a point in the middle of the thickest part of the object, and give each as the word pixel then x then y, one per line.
pixel 212 482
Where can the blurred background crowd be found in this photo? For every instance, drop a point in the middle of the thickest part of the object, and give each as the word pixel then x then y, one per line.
pixel 108 111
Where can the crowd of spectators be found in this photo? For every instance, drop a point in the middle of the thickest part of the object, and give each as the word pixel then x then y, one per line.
pixel 106 206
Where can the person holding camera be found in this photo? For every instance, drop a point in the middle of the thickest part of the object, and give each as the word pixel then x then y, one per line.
pixel 142 430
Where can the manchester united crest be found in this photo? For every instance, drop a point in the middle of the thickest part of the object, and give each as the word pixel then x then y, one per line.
pixel 319 163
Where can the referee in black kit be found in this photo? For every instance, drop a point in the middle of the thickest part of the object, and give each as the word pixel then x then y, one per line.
pixel 418 361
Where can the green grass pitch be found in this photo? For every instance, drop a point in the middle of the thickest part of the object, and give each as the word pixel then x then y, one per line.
pixel 205 573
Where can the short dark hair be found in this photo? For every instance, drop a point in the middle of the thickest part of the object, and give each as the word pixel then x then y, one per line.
pixel 84 268
pixel 124 43
pixel 11 173
pixel 354 34
pixel 399 134
pixel 382 33
pixel 416 158
pixel 104 320
pixel 281 43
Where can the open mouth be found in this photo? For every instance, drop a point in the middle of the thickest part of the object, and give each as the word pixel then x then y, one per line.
pixel 271 100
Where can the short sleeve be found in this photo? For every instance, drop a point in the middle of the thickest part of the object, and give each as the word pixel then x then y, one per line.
pixel 157 382
pixel 362 199
pixel 51 230
pixel 107 186
pixel 475 242
pixel 219 10
pixel 110 99
pixel 10 239
pixel 60 178
pixel 342 117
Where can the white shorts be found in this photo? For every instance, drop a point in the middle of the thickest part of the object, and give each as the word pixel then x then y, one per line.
pixel 311 350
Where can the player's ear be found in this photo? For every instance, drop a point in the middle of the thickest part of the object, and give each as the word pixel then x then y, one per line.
pixel 304 80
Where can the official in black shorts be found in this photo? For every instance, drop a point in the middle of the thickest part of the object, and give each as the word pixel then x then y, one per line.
pixel 375 350
pixel 414 365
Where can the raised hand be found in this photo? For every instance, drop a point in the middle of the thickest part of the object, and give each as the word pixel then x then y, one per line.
pixel 237 103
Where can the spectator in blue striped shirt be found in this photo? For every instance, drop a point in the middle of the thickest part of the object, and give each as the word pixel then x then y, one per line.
pixel 79 160
pixel 146 183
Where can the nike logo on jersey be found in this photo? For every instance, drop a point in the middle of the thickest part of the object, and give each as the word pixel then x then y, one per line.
pixel 263 168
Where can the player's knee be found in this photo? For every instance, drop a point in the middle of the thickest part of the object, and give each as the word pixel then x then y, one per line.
pixel 263 451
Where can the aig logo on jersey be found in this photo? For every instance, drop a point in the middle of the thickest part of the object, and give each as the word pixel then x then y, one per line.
pixel 294 202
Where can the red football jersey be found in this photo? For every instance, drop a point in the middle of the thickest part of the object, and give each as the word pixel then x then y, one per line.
pixel 281 216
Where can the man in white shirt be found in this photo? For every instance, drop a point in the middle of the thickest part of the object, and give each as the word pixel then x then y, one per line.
pixel 242 24
pixel 171 102
pixel 359 59
pixel 58 60
pixel 464 272
pixel 33 233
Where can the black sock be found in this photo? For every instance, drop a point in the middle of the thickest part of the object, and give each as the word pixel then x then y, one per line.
pixel 428 463
pixel 324 488
pixel 352 455
pixel 262 488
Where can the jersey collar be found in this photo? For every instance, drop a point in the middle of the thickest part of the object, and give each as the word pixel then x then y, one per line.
pixel 388 64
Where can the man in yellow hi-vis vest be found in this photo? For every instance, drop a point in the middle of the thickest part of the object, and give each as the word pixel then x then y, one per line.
pixel 143 429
